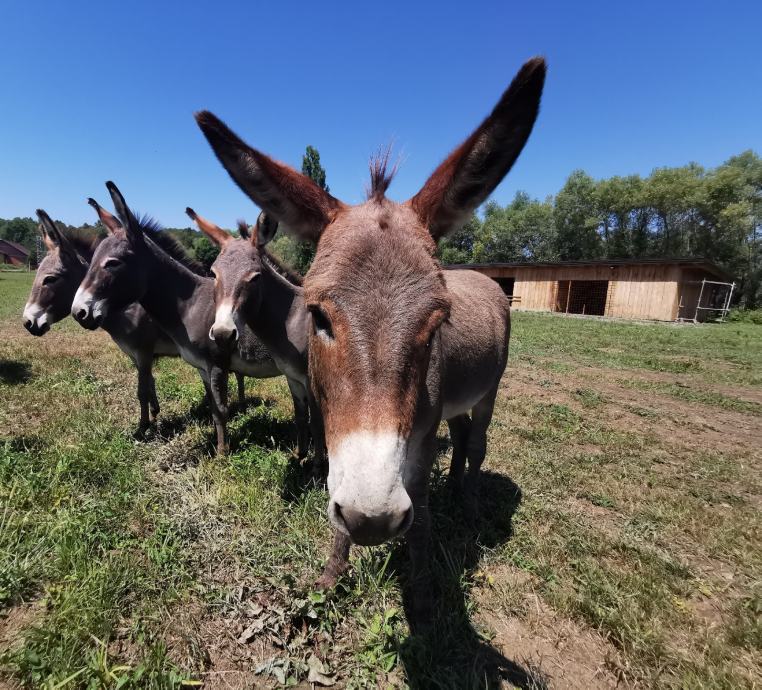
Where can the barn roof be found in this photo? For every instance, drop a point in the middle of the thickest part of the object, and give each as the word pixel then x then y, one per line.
pixel 14 249
pixel 699 264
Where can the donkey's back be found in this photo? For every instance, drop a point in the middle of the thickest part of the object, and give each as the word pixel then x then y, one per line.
pixel 474 340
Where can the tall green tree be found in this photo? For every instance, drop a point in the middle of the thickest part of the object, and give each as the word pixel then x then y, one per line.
pixel 458 248
pixel 205 251
pixel 576 219
pixel 295 253
pixel 20 230
pixel 312 168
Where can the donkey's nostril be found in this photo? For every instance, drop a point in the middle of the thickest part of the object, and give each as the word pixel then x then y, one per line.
pixel 82 314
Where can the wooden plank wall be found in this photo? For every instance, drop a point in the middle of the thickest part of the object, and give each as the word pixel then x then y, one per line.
pixel 634 292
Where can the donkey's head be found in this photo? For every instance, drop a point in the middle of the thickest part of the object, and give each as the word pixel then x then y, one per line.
pixel 237 271
pixel 117 275
pixel 58 275
pixel 378 300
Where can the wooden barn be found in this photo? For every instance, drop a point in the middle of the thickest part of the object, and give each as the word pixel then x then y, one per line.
pixel 649 289
pixel 13 253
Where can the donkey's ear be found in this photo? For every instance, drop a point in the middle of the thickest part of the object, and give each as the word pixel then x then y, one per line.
pixel 132 228
pixel 215 233
pixel 110 222
pixel 294 199
pixel 471 172
pixel 266 228
pixel 50 242
pixel 53 237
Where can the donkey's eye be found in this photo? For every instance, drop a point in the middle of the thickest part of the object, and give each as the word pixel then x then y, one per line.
pixel 253 277
pixel 111 263
pixel 430 340
pixel 321 323
pixel 47 280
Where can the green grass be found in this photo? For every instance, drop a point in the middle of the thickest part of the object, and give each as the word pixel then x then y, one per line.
pixel 714 352
pixel 608 543
pixel 705 397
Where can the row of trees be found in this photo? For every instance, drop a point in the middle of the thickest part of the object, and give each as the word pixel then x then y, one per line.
pixel 297 254
pixel 688 211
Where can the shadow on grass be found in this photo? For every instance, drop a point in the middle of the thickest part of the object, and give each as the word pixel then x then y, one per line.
pixel 451 653
pixel 13 372
pixel 171 426
pixel 261 427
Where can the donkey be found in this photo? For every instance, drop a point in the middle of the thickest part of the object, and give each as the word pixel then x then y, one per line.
pixel 396 344
pixel 58 276
pixel 254 289
pixel 130 266
pixel 171 247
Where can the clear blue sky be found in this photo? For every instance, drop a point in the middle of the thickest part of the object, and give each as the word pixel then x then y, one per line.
pixel 106 90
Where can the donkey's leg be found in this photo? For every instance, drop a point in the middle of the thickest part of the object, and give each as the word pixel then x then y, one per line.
pixel 216 383
pixel 145 382
pixel 338 562
pixel 301 411
pixel 481 416
pixel 318 438
pixel 459 430
pixel 153 403
pixel 241 388
pixel 421 608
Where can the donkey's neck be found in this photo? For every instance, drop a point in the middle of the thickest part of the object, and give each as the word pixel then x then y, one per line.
pixel 278 319
pixel 171 286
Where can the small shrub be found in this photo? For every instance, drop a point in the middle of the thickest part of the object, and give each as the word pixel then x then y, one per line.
pixel 746 316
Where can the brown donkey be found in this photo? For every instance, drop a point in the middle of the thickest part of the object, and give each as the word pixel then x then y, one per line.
pixel 252 288
pixel 129 266
pixel 58 276
pixel 396 344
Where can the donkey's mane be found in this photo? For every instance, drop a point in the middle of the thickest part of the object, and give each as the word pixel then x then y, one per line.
pixel 168 244
pixel 281 267
pixel 381 175
pixel 84 243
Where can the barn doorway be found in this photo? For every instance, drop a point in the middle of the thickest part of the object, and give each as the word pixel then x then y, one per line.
pixel 582 297
pixel 506 284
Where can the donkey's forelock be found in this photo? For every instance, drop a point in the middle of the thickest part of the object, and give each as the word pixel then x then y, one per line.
pixel 381 175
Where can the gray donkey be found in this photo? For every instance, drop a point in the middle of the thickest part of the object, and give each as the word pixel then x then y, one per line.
pixel 253 288
pixel 58 276
pixel 396 344
pixel 129 266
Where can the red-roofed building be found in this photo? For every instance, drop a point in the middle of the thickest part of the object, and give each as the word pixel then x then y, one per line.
pixel 13 253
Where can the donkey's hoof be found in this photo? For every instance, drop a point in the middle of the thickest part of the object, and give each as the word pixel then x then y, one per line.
pixel 325 581
pixel 330 576
pixel 455 485
pixel 141 432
